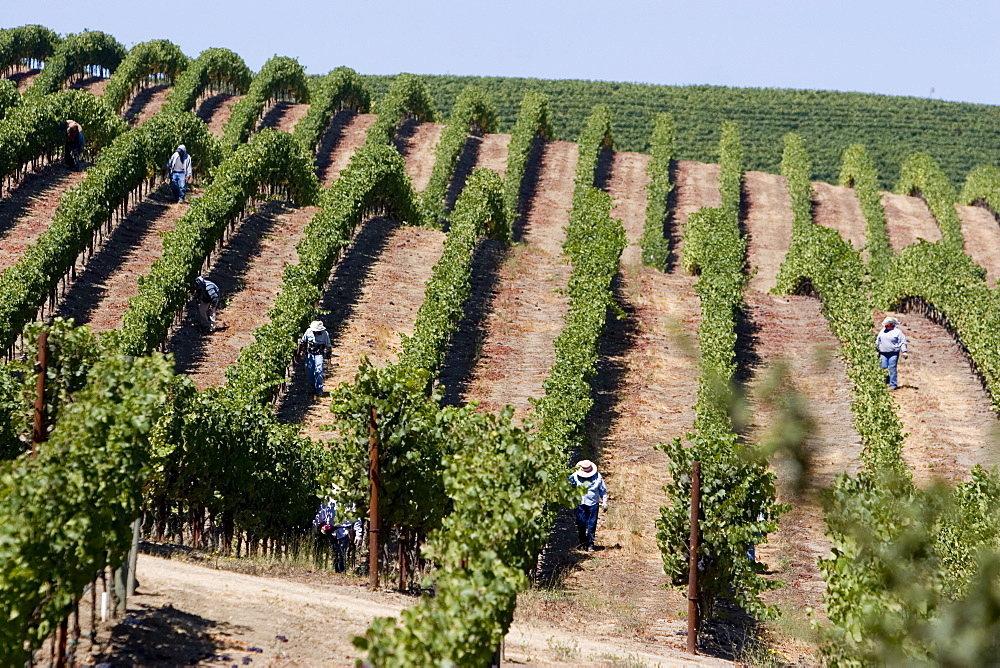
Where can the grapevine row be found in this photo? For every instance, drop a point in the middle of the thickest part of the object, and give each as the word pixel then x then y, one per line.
pixel 212 69
pixel 30 43
pixel 72 56
pixel 340 89
pixel 157 57
pixel 655 245
pixel 280 78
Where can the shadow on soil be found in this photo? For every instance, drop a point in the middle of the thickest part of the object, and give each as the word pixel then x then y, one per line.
pixel 463 168
pixel 189 343
pixel 467 341
pixel 330 139
pixel 155 636
pixel 90 288
pixel 33 186
pixel 210 105
pixel 529 186
pixel 671 230
pixel 140 101
pixel 272 118
pixel 560 556
pixel 338 304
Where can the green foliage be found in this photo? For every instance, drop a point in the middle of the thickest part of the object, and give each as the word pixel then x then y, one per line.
pixel 131 159
pixel 271 158
pixel 375 177
pixel 407 98
pixel 280 78
pixel 66 513
pixel 9 97
pixel 915 575
pixel 532 123
pixel 496 478
pixel 478 212
pixel 340 89
pixel 26 43
pixel 73 55
pixel 31 130
pixel 231 458
pixel 473 111
pixel 596 135
pixel 655 246
pixel 798 176
pixel 982 185
pixel 213 69
pixel 920 174
pixel 955 134
pixel 155 57
pixel 413 436
pixel 858 170
pixel 738 506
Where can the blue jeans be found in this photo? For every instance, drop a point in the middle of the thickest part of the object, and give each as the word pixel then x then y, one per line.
pixel 586 524
pixel 889 361
pixel 178 183
pixel 314 368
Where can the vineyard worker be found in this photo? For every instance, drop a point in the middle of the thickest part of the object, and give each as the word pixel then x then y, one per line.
pixel 179 168
pixel 890 342
pixel 594 492
pixel 315 345
pixel 209 296
pixel 327 528
pixel 73 147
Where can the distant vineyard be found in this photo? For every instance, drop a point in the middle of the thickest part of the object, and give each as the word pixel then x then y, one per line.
pixel 958 136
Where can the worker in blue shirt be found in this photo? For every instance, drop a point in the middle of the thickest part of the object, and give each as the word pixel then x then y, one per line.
pixel 595 492
pixel 891 342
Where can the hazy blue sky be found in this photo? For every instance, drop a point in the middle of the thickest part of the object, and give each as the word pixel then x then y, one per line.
pixel 946 50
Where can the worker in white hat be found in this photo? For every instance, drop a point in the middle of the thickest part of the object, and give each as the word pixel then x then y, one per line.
pixel 594 492
pixel 179 172
pixel 890 343
pixel 315 345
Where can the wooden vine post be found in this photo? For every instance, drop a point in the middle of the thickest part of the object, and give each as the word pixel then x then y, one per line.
pixel 373 519
pixel 38 432
pixel 692 630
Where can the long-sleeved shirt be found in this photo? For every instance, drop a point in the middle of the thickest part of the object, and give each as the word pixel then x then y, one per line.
pixel 891 341
pixel 317 343
pixel 327 515
pixel 594 488
pixel 177 164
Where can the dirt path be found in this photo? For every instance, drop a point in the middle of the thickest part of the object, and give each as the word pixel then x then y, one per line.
pixel 346 134
pixel 982 239
pixel 769 215
pixel 145 104
pixel 837 207
pixel 216 110
pixel 283 116
pixel 93 85
pixel 23 78
pixel 492 153
pixel 645 391
pixel 942 404
pixel 696 184
pixel 185 614
pixel 627 185
pixel 527 312
pixel 249 272
pixel 908 219
pixel 416 142
pixel 99 296
pixel 27 210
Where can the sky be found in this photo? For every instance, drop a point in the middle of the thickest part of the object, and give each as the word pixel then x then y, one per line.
pixel 942 50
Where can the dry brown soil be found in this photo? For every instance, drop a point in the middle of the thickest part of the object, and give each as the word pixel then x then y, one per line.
pixel 769 215
pixel 942 404
pixel 837 207
pixel 99 296
pixel 189 614
pixel 627 185
pixel 908 219
pixel 416 141
pixel 27 210
pixel 982 239
pixel 347 132
pixel 23 77
pixel 216 110
pixel 283 116
pixel 93 85
pixel 145 104
pixel 527 312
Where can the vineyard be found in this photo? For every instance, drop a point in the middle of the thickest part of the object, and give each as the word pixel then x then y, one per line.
pixel 682 284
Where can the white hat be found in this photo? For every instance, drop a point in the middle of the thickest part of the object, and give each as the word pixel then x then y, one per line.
pixel 586 468
pixel 890 321
pixel 182 148
pixel 317 326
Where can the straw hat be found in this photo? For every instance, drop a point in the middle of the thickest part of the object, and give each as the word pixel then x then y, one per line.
pixel 586 468
pixel 317 326
pixel 890 321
